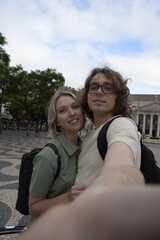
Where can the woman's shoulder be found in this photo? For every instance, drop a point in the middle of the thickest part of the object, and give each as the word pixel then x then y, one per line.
pixel 48 151
pixel 54 141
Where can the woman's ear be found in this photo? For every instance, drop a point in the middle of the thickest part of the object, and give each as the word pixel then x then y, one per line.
pixel 57 124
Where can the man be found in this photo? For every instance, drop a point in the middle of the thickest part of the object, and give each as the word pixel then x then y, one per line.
pixel 106 96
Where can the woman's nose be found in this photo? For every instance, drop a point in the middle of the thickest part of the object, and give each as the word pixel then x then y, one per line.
pixel 71 112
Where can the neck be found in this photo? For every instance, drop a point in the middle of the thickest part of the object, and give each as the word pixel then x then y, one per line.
pixel 101 119
pixel 72 137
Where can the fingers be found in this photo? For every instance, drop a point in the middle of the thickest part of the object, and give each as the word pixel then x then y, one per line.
pixel 77 189
pixel 79 186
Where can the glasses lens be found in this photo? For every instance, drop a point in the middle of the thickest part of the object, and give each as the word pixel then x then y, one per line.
pixel 92 88
pixel 107 88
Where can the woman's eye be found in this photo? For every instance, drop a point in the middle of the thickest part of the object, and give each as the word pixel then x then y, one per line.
pixel 76 106
pixel 61 111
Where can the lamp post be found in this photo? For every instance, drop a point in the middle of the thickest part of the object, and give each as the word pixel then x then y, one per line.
pixel 3 84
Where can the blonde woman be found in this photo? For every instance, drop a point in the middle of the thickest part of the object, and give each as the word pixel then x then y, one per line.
pixel 65 120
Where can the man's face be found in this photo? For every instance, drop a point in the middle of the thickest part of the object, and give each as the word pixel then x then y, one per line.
pixel 101 100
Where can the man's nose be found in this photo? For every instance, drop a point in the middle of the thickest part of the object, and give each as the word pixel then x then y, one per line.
pixel 99 90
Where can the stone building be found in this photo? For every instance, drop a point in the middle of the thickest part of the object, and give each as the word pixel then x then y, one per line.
pixel 146 113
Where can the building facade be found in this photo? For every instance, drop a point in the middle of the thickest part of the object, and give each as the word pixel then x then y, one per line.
pixel 146 114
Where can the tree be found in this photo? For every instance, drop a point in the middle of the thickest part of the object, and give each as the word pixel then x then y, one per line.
pixel 4 65
pixel 29 93
pixel 4 59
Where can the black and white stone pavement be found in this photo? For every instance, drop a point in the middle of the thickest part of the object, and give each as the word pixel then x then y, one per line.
pixel 13 144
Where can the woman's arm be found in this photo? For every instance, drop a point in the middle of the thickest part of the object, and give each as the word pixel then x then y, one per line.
pixel 38 205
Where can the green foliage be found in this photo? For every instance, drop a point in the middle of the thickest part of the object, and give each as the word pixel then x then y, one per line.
pixel 2 40
pixel 28 93
pixel 70 89
pixel 4 58
pixel 4 64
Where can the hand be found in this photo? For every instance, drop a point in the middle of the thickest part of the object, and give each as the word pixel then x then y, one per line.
pixel 76 190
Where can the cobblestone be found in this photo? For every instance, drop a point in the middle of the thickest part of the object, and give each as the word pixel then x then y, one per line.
pixel 13 145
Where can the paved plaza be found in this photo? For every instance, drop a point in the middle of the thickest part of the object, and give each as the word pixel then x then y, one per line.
pixel 13 144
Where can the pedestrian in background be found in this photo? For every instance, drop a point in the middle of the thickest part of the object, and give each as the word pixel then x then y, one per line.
pixel 36 130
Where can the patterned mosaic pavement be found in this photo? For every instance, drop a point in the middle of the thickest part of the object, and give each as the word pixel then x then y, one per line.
pixel 12 146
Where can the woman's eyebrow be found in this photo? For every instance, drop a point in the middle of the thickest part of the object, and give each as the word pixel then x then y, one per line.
pixel 61 107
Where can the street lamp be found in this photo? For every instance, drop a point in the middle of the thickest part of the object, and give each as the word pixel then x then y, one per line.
pixel 3 84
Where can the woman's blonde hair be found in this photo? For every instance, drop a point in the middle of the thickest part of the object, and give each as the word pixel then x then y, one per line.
pixel 52 115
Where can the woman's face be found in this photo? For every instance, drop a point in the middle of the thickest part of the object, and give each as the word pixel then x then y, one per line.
pixel 70 116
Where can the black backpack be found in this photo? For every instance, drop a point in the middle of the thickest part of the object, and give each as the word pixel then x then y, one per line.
pixel 149 168
pixel 25 177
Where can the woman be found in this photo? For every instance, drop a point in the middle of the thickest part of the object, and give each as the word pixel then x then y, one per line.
pixel 65 119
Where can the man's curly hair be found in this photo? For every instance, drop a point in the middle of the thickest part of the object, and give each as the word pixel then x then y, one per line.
pixel 122 106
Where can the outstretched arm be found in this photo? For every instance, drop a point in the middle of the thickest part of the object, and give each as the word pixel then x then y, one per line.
pixel 119 168
pixel 123 213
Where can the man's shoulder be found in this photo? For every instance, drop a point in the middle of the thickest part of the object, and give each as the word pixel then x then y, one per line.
pixel 119 124
pixel 121 120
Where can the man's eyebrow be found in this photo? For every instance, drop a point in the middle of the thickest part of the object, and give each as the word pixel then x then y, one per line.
pixel 93 82
pixel 104 83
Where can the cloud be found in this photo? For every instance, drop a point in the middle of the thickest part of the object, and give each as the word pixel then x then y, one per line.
pixel 74 36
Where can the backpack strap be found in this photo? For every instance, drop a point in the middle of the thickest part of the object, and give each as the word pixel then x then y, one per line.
pixel 55 149
pixel 102 143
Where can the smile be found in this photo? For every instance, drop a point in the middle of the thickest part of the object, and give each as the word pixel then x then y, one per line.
pixel 75 120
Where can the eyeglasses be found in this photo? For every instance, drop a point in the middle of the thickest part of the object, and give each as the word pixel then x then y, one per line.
pixel 106 88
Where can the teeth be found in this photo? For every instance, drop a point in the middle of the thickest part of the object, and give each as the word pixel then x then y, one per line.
pixel 74 120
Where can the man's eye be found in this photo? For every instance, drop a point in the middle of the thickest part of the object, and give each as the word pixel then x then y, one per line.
pixel 107 87
pixel 93 87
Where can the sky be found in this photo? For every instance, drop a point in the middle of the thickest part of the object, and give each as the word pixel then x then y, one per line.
pixel 75 36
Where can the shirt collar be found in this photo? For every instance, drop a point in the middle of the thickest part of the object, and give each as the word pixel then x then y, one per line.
pixel 69 147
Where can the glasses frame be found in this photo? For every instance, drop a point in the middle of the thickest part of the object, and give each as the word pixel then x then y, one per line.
pixel 100 86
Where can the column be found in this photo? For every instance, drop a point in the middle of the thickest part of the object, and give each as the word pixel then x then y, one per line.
pixel 158 124
pixel 144 123
pixel 137 118
pixel 151 126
